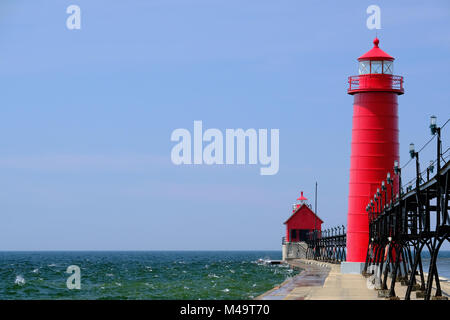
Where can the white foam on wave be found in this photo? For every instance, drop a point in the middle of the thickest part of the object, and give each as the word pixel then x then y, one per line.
pixel 213 275
pixel 20 281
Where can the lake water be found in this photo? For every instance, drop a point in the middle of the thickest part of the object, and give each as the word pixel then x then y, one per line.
pixel 140 275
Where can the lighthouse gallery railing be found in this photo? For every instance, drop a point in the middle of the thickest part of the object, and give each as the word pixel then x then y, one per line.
pixel 375 81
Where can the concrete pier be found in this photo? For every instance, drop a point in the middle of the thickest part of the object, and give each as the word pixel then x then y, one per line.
pixel 324 281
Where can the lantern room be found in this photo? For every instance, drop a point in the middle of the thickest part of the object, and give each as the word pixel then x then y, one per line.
pixel 376 61
pixel 302 221
pixel 375 73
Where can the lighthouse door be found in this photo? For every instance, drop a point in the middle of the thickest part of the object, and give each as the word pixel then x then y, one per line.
pixel 294 235
pixel 302 235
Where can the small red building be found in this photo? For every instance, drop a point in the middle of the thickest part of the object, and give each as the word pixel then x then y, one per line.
pixel 302 220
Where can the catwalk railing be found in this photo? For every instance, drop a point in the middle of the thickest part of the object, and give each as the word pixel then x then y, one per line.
pixel 378 82
pixel 403 225
pixel 328 245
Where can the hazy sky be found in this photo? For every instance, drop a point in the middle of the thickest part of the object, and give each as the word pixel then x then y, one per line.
pixel 86 115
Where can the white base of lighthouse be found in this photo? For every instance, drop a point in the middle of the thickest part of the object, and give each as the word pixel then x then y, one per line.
pixel 352 267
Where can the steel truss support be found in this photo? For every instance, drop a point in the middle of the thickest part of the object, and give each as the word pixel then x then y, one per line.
pixel 406 228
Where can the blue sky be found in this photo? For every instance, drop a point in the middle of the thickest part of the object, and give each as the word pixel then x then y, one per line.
pixel 86 115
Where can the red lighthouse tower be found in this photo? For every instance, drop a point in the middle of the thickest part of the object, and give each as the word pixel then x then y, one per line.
pixel 374 143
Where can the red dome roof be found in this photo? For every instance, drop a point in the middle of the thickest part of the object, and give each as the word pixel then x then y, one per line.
pixel 376 53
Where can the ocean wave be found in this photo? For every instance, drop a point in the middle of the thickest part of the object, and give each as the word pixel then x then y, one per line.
pixel 213 275
pixel 20 281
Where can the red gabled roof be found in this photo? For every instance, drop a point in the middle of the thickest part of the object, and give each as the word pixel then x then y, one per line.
pixel 376 53
pixel 298 210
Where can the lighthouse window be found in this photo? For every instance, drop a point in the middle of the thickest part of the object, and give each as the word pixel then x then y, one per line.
pixel 364 67
pixel 376 67
pixel 388 67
